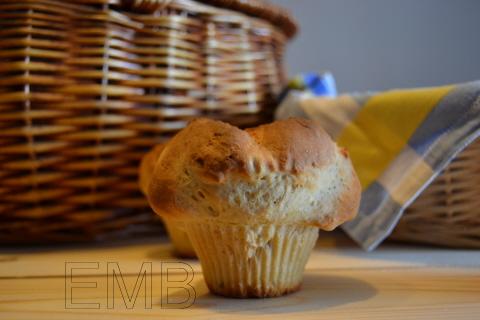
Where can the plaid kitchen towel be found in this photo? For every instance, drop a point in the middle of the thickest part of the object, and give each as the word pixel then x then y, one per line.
pixel 399 141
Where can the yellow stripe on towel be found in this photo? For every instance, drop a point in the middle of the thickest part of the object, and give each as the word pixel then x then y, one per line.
pixel 383 127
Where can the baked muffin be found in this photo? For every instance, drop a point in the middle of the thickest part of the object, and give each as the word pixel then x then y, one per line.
pixel 181 243
pixel 252 201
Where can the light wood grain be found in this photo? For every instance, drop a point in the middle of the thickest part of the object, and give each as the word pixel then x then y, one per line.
pixel 422 293
pixel 333 251
pixel 341 282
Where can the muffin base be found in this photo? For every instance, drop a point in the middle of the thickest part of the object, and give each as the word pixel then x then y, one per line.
pixel 181 243
pixel 252 261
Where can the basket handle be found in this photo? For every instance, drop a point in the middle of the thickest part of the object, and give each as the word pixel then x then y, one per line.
pixel 147 6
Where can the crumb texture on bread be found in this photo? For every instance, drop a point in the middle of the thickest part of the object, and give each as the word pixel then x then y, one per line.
pixel 289 172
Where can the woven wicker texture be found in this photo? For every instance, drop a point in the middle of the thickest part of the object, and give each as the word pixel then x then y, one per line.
pixel 447 213
pixel 87 86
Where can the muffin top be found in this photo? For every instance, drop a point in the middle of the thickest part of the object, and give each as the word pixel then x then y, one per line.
pixel 289 171
pixel 147 165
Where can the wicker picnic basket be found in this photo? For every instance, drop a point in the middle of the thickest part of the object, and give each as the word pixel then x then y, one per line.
pixel 447 213
pixel 87 86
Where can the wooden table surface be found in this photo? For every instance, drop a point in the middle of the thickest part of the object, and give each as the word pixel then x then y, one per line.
pixel 341 282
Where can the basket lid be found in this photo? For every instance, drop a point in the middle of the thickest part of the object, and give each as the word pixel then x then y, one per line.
pixel 263 9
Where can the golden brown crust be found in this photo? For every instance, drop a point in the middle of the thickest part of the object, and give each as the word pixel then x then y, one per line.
pixel 213 148
pixel 147 165
pixel 217 148
pixel 348 201
pixel 161 196
pixel 296 144
pixel 211 158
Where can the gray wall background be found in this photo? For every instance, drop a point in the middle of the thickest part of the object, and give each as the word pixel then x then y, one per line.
pixel 381 44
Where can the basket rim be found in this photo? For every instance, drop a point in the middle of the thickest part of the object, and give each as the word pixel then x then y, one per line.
pixel 264 9
pixel 276 15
